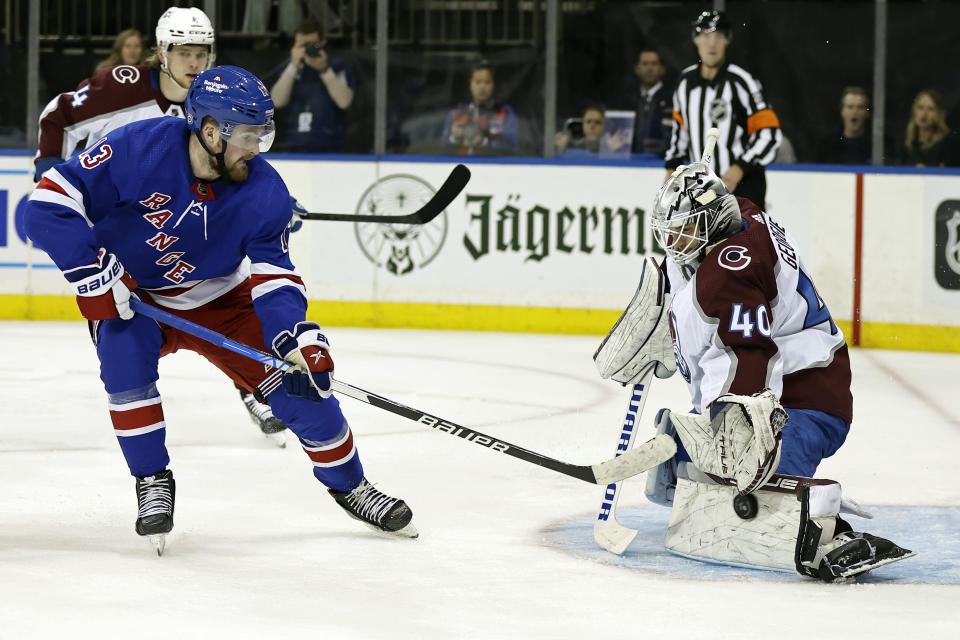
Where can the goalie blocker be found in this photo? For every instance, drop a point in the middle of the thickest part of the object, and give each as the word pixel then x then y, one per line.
pixel 790 524
pixel 641 338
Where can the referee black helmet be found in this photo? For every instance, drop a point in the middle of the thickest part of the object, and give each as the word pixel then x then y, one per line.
pixel 712 21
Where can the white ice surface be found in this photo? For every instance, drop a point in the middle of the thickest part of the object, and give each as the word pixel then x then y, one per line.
pixel 260 551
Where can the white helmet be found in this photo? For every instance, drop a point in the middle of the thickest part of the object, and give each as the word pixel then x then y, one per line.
pixel 692 212
pixel 185 26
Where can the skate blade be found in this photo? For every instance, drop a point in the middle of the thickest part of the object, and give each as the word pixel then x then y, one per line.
pixel 159 542
pixel 278 439
pixel 408 531
pixel 851 576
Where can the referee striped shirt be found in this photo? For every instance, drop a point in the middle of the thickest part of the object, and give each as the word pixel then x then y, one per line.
pixel 732 102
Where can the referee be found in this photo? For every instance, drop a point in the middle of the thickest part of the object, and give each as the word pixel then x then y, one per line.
pixel 718 94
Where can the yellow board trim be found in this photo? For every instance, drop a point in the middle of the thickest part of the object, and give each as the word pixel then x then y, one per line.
pixel 467 317
pixel 909 337
pixel 23 307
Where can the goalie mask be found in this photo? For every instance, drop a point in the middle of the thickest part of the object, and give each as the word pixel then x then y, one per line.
pixel 692 212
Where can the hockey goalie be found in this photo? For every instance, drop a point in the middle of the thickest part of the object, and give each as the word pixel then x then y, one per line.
pixel 733 309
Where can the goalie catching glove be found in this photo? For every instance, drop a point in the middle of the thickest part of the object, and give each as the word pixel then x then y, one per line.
pixel 739 440
pixel 308 349
pixel 103 288
pixel 641 338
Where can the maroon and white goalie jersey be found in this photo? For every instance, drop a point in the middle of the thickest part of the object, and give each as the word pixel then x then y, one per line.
pixel 108 99
pixel 750 318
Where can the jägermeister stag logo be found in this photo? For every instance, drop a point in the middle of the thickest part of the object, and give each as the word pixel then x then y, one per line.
pixel 399 248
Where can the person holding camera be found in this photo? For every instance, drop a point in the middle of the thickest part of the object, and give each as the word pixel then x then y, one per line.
pixel 316 89
pixel 581 136
pixel 482 126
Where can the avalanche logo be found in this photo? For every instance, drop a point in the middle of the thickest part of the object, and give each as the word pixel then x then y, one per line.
pixel 734 258
pixel 399 248
pixel 124 74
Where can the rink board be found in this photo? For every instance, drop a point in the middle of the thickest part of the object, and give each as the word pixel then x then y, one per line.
pixel 554 247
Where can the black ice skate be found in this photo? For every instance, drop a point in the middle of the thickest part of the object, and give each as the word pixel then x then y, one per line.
pixel 262 416
pixel 377 510
pixel 155 498
pixel 852 553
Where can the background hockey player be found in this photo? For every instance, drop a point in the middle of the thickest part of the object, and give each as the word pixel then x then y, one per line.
pixel 119 95
pixel 174 207
pixel 734 310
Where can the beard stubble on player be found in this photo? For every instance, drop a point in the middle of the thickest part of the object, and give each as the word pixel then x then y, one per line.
pixel 237 169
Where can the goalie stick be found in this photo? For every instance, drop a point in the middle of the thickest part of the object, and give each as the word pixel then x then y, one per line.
pixel 713 134
pixel 607 530
pixel 645 456
pixel 449 190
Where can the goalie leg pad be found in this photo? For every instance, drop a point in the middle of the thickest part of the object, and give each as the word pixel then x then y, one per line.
pixel 791 524
pixel 704 524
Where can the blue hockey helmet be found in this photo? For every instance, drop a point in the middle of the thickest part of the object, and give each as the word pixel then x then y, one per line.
pixel 238 101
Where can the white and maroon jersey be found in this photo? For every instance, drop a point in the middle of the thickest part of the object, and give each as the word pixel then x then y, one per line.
pixel 750 318
pixel 107 100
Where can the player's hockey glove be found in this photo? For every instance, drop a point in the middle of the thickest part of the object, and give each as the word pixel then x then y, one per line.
pixel 103 288
pixel 296 221
pixel 308 349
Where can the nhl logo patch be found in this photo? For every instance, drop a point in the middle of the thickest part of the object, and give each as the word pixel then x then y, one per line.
pixel 946 251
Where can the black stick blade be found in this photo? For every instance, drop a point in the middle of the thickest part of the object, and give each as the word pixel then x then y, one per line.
pixel 449 190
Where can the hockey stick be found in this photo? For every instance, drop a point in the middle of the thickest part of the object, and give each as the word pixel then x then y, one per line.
pixel 449 190
pixel 713 134
pixel 607 530
pixel 643 457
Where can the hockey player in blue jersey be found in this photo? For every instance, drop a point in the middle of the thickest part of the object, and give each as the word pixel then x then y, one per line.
pixel 167 210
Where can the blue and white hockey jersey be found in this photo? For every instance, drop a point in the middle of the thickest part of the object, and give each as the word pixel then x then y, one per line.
pixel 184 240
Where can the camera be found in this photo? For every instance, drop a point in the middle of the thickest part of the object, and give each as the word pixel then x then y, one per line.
pixel 312 49
pixel 574 127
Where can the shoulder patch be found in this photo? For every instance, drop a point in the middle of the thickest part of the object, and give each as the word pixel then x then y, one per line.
pixel 126 74
pixel 734 257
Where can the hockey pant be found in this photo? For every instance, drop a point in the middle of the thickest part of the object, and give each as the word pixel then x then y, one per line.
pixel 129 351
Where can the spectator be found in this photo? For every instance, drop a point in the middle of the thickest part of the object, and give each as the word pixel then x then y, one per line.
pixel 718 94
pixel 316 89
pixel 929 142
pixel 582 136
pixel 650 98
pixel 481 126
pixel 853 144
pixel 129 48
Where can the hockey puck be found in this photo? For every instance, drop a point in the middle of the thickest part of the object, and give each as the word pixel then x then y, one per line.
pixel 745 506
